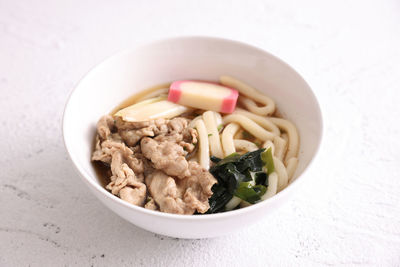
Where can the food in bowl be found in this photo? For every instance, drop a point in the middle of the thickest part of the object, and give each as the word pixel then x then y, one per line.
pixel 196 147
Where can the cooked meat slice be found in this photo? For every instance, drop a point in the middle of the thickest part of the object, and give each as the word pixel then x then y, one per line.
pixel 125 125
pixel 132 132
pixel 105 126
pixel 131 137
pixel 188 147
pixel 126 166
pixel 198 187
pixel 190 135
pixel 174 137
pixel 189 139
pixel 138 162
pixel 161 126
pixel 99 154
pixel 156 150
pixel 105 151
pixel 167 156
pixel 182 196
pixel 135 196
pixel 124 181
pixel 178 139
pixel 165 193
pixel 151 205
pixel 180 134
pixel 201 176
pixel 178 124
pixel 116 137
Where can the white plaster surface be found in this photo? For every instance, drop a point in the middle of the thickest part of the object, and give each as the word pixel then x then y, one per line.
pixel 347 214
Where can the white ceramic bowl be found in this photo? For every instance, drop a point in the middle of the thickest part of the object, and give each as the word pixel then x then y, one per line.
pixel 203 58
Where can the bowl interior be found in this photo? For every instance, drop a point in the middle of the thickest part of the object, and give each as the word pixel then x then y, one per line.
pixel 187 58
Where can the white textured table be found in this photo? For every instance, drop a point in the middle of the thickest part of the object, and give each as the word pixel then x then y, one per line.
pixel 348 213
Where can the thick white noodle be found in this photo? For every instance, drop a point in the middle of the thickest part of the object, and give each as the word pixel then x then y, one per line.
pixel 204 154
pixel 285 137
pixel 157 92
pixel 250 126
pixel 269 144
pixel 253 94
pixel 192 123
pixel 280 147
pixel 291 167
pixel 290 129
pixel 213 135
pixel 244 145
pixel 233 203
pixel 227 138
pixel 252 106
pixel 272 188
pixel 218 119
pixel 262 121
pixel 280 169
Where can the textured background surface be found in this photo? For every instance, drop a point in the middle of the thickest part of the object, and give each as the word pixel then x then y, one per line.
pixel 348 213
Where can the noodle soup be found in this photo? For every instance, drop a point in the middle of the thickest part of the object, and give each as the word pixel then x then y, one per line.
pixel 185 159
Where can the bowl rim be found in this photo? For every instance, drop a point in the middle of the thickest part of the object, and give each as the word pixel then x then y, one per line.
pixel 90 182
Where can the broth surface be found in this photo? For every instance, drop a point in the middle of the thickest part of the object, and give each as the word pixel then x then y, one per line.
pixel 138 96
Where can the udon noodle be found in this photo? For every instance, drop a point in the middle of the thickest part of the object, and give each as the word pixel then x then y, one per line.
pixel 278 133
